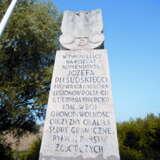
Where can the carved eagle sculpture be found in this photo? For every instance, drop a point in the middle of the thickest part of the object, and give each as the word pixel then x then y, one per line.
pixel 82 30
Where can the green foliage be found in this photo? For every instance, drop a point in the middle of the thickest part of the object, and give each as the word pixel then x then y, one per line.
pixel 32 153
pixel 27 50
pixel 140 139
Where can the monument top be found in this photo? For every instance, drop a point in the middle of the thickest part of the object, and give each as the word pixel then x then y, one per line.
pixel 82 30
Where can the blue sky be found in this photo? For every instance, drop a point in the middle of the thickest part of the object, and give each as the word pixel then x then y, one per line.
pixel 132 31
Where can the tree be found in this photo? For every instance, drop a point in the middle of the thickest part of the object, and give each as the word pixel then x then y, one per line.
pixel 27 51
pixel 140 139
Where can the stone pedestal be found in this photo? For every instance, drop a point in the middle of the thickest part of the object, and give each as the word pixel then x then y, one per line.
pixel 80 122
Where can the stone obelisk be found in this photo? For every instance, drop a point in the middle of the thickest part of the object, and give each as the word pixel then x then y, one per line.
pixel 80 121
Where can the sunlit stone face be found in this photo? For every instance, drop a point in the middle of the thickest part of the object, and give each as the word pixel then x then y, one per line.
pixel 80 121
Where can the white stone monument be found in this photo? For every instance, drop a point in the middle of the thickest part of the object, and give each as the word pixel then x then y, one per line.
pixel 80 121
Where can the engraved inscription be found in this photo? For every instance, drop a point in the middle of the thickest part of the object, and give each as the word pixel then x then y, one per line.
pixel 80 114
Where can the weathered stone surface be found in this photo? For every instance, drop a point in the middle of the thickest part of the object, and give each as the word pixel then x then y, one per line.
pixel 79 158
pixel 82 30
pixel 80 122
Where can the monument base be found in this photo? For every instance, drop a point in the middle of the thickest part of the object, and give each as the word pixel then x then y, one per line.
pixel 100 157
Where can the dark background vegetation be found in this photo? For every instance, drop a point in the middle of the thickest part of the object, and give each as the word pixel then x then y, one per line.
pixel 27 51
